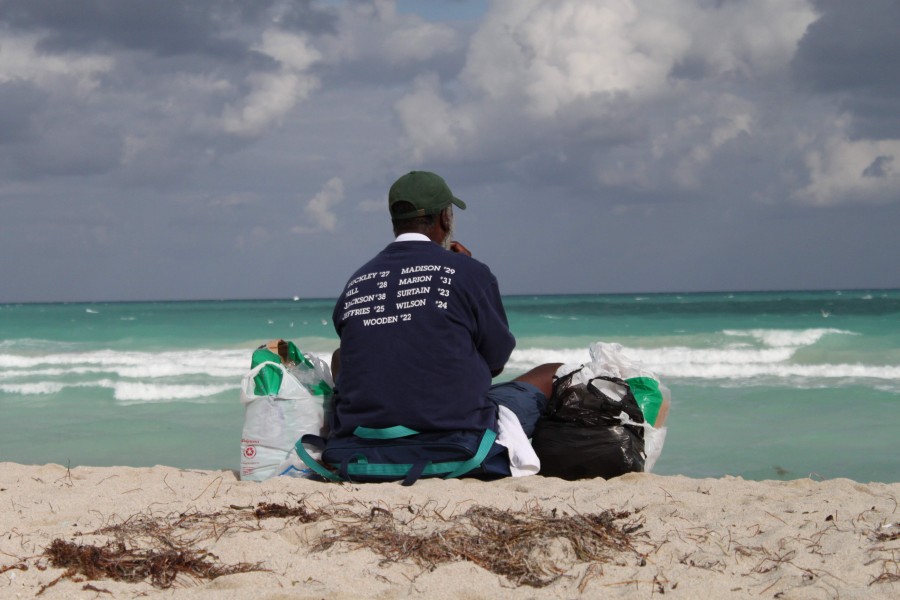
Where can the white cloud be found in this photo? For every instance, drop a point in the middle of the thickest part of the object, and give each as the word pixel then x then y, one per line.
pixel 376 31
pixel 745 38
pixel 551 54
pixel 844 170
pixel 728 118
pixel 433 127
pixel 293 51
pixel 273 95
pixel 417 42
pixel 372 206
pixel 78 73
pixel 655 91
pixel 320 210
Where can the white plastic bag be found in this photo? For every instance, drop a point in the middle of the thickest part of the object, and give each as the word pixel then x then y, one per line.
pixel 273 424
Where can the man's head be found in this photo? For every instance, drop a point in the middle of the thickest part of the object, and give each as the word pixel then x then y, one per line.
pixel 421 202
pixel 427 192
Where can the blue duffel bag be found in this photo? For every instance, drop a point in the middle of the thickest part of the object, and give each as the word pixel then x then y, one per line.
pixel 400 453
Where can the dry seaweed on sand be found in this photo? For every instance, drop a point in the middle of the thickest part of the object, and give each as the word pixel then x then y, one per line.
pixel 890 570
pixel 887 576
pixel 526 546
pixel 886 555
pixel 159 548
pixel 270 510
pixel 19 566
pixel 530 547
pixel 155 548
pixel 175 530
pixel 115 560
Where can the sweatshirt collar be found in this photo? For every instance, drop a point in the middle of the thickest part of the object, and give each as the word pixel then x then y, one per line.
pixel 412 237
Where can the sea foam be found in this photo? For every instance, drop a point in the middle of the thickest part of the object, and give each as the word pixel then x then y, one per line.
pixel 132 376
pixel 729 356
pixel 757 354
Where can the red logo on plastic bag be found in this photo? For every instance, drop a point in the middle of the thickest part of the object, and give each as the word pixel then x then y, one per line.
pixel 250 451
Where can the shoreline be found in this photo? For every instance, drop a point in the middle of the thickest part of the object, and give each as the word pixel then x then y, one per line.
pixel 683 537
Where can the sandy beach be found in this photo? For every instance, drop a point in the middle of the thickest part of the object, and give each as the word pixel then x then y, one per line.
pixel 636 536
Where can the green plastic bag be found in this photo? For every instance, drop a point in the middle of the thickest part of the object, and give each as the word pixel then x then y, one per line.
pixel 268 381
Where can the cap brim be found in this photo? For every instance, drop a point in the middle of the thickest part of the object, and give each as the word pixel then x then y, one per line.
pixel 459 203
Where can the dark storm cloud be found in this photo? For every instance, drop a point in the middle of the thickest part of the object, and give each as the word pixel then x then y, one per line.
pixel 306 15
pixel 877 168
pixel 852 52
pixel 163 28
pixel 20 101
pixel 67 154
pixel 40 136
pixel 210 27
pixel 155 89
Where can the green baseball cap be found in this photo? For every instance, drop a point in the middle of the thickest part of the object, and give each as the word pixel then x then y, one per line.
pixel 426 191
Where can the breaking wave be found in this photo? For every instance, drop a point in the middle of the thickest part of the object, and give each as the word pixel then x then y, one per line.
pixel 754 354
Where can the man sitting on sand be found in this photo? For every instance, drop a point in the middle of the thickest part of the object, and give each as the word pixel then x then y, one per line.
pixel 423 330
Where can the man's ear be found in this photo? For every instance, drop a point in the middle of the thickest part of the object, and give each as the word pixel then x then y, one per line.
pixel 445 220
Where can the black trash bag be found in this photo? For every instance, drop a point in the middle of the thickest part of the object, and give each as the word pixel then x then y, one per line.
pixel 581 436
pixel 570 451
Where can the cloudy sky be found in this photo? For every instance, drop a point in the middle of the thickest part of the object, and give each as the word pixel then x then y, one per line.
pixel 211 149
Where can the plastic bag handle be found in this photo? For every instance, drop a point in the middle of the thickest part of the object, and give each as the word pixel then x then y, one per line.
pixel 247 385
pixel 255 370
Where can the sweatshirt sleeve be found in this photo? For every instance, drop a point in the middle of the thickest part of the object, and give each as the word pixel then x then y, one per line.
pixel 493 339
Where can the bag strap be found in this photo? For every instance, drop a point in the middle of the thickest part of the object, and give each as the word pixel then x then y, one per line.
pixel 413 471
pixel 309 461
pixel 386 433
pixel 410 472
pixel 618 380
pixel 487 441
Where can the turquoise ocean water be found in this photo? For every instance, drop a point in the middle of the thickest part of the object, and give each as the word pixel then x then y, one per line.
pixel 776 385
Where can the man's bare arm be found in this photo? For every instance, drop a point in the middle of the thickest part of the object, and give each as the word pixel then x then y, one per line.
pixel 335 364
